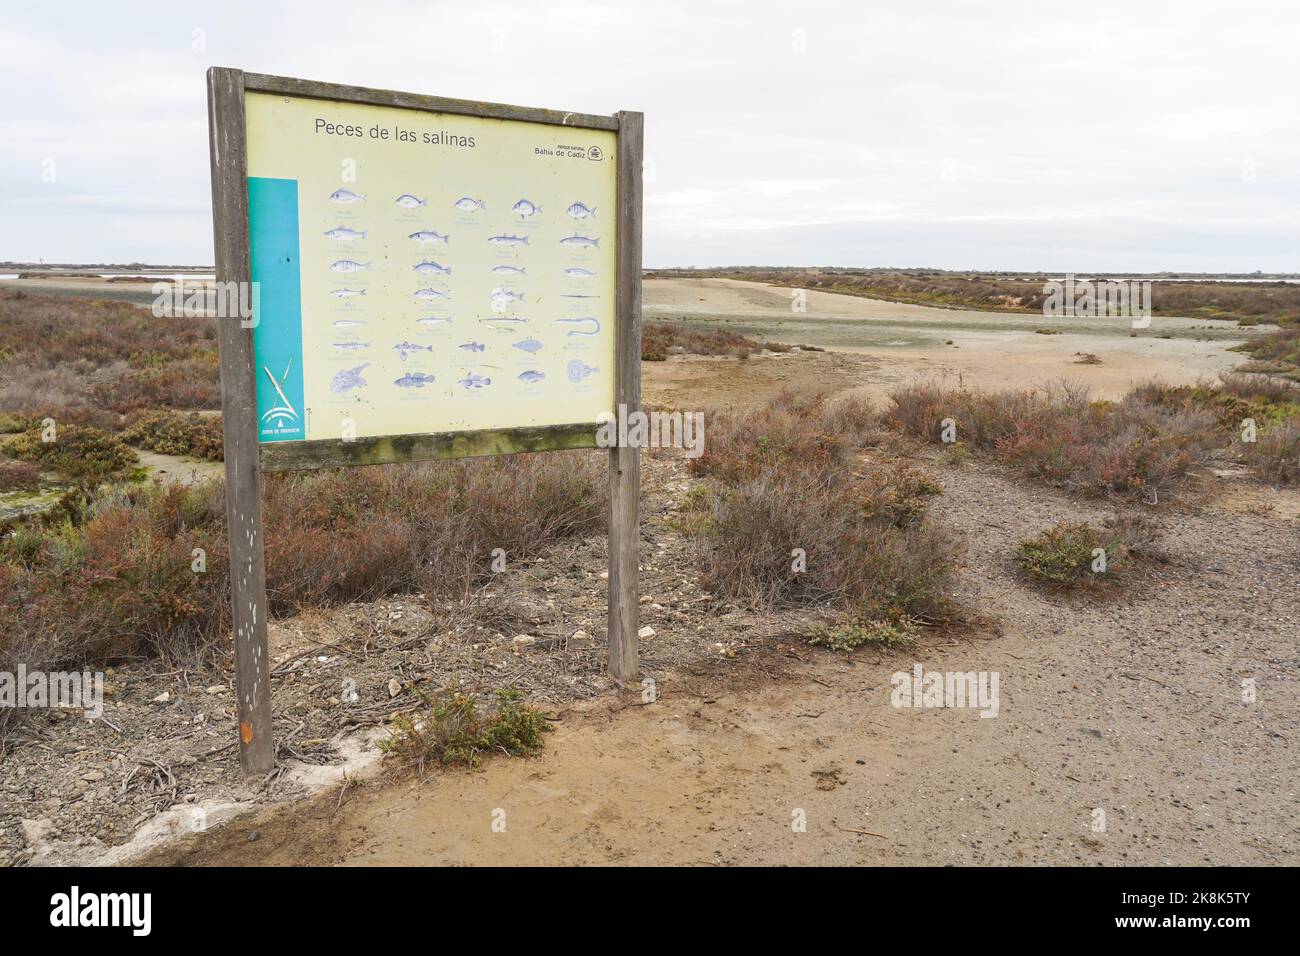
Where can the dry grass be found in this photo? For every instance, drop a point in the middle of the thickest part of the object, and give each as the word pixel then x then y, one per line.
pixel 86 362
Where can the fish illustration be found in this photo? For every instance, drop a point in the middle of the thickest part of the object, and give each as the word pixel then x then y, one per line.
pixel 351 346
pixel 348 323
pixel 577 295
pixel 413 380
pixel 345 195
pixel 427 235
pixel 426 267
pixel 509 240
pixel 468 204
pixel 580 211
pixel 432 321
pixel 531 376
pixel 348 379
pixel 577 272
pixel 576 240
pixel 594 325
pixel 348 265
pixel 577 370
pixel 474 380
pixel 525 208
pixel 403 349
pixel 472 346
pixel 347 293
pixel 432 294
pixel 501 297
pixel 509 270
pixel 407 201
pixel 531 346
pixel 344 234
pixel 504 318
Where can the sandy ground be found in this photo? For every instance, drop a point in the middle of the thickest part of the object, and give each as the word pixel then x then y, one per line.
pixel 880 345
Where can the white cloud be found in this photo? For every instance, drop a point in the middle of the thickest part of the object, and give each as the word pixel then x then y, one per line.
pixel 1016 135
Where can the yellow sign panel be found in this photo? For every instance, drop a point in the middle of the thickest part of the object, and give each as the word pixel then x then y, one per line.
pixel 426 272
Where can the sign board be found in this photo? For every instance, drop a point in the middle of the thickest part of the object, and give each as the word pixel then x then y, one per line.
pixel 427 272
pixel 431 278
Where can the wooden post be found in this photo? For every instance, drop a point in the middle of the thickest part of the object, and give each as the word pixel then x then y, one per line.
pixel 625 463
pixel 226 134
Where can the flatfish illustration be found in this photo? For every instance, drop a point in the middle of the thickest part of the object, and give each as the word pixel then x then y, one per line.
pixel 348 379
pixel 577 370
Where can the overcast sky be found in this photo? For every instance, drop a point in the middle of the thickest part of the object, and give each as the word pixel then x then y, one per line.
pixel 1134 136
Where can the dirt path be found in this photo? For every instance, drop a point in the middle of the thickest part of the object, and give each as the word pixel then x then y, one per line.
pixel 1131 704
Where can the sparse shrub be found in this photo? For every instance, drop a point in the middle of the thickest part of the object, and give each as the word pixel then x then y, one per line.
pixel 1250 386
pixel 1064 554
pixel 82 453
pixel 453 730
pixel 816 432
pixel 1067 554
pixel 657 338
pixel 790 475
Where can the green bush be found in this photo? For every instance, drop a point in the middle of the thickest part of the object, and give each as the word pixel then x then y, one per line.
pixel 453 730
pixel 172 433
pixel 81 452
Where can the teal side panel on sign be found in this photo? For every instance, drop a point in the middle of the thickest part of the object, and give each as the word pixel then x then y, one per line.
pixel 277 334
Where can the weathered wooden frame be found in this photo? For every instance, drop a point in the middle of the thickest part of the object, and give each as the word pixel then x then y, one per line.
pixel 246 458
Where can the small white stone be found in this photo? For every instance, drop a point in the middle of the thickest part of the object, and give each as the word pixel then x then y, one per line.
pixel 394 687
pixel 162 698
pixel 646 631
pixel 525 639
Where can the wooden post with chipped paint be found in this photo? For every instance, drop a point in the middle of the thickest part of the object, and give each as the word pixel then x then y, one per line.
pixel 625 462
pixel 226 135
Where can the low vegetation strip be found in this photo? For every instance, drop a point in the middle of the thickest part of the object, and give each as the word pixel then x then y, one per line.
pixel 142 570
pixel 661 339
